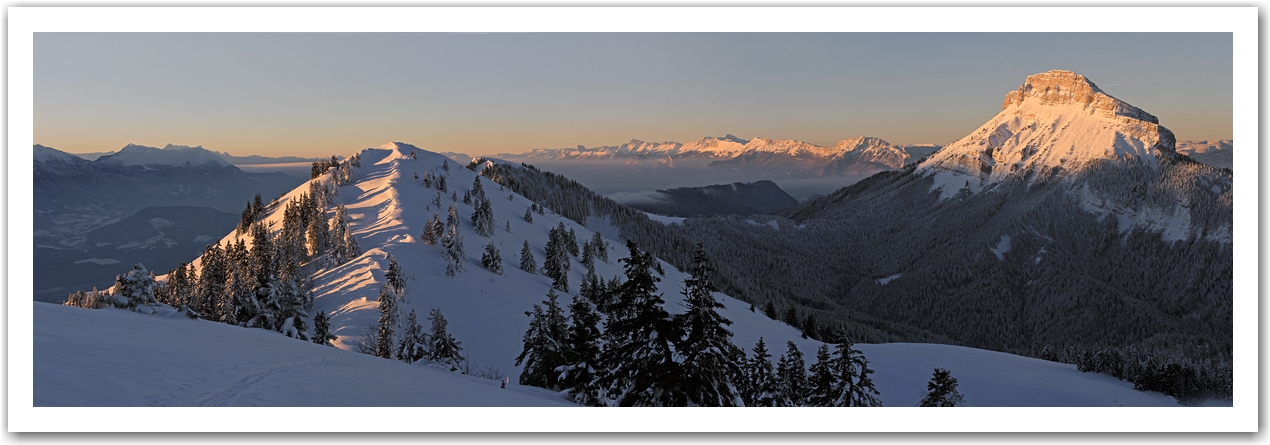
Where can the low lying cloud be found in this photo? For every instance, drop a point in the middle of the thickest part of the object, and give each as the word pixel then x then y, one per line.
pixel 641 197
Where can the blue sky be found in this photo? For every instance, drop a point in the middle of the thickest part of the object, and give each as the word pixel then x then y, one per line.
pixel 321 94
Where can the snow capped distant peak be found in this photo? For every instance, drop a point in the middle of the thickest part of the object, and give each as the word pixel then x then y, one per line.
pixel 53 155
pixel 177 155
pixel 1065 88
pixel 181 147
pixel 1057 121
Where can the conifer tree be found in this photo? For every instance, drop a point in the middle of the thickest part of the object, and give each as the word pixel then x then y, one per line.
pixel 345 244
pixel 710 359
pixel 770 310
pixel 478 192
pixel 822 380
pixel 322 329
pixel 453 243
pixel 239 304
pixel 582 354
pixel 414 342
pixel 791 374
pixel 442 347
pixel 211 282
pixel 433 229
pixel 441 187
pixel 529 218
pixel 467 198
pixel 791 317
pixel 809 327
pixel 395 279
pixel 556 265
pixel 639 357
pixel 588 259
pixel 544 345
pixel 491 259
pixel 759 388
pixel 452 218
pixel 134 290
pixel 942 390
pixel 571 241
pixel 527 262
pixel 853 386
pixel 601 247
pixel 483 218
pixel 386 337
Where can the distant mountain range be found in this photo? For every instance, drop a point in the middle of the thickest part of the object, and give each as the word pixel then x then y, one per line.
pixel 77 202
pixel 1215 153
pixel 172 153
pixel 730 153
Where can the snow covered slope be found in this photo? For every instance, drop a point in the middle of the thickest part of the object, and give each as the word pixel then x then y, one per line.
pixel 486 313
pixel 111 357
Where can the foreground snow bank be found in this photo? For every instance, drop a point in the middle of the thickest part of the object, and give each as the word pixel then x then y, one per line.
pixel 109 357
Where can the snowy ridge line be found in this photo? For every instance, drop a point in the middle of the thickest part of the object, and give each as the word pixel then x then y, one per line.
pixel 485 310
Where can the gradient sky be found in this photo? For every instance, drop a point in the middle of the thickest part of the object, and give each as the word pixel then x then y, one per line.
pixel 278 94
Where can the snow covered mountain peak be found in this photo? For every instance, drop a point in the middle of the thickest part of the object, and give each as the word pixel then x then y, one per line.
pixel 177 155
pixel 1065 88
pixel 1056 123
pixel 53 155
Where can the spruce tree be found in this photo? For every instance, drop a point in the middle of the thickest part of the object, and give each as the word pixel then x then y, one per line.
pixel 322 329
pixel 134 290
pixel 433 230
pixel 556 265
pixel 853 386
pixel 527 262
pixel 821 384
pixel 942 390
pixel 601 247
pixel 582 354
pixel 413 345
pixel 710 358
pixel 442 347
pixel 491 259
pixel 759 388
pixel 639 356
pixel 478 192
pixel 239 304
pixel 386 337
pixel 791 374
pixel 529 218
pixel 395 279
pixel 791 317
pixel 453 243
pixel 809 327
pixel 544 345
pixel 770 310
pixel 211 282
pixel 571 241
